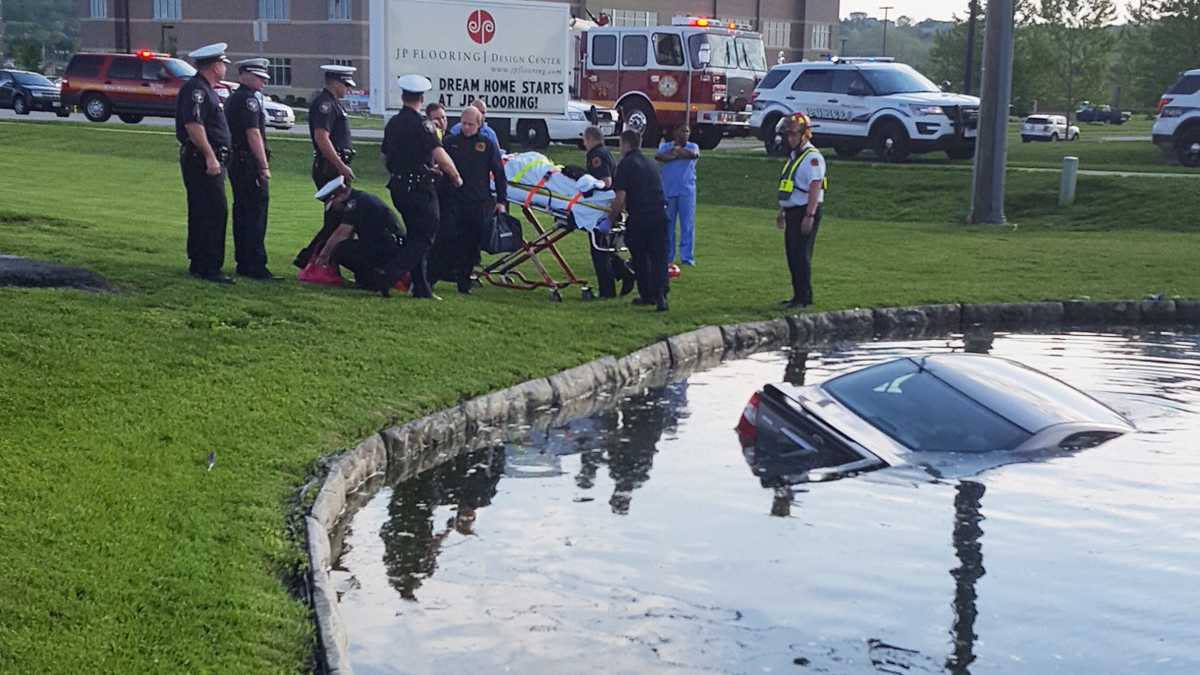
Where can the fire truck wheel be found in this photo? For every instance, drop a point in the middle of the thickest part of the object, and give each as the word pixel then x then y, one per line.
pixel 708 137
pixel 533 134
pixel 636 114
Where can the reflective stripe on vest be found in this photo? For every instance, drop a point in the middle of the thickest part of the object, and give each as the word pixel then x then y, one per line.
pixel 786 183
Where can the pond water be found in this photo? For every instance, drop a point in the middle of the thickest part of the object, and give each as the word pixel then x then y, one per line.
pixel 637 540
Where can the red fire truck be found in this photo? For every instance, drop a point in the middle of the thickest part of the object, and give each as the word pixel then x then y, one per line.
pixel 646 74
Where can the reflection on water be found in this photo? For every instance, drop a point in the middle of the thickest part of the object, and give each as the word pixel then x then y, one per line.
pixel 635 540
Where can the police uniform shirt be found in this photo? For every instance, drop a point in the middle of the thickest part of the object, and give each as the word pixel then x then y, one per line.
pixel 478 160
pixel 639 178
pixel 327 113
pixel 372 220
pixel 600 164
pixel 408 142
pixel 199 103
pixel 812 168
pixel 244 110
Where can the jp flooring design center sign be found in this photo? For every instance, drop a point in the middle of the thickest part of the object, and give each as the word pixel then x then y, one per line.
pixel 514 55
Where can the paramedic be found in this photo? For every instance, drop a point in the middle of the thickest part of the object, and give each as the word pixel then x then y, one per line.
pixel 639 191
pixel 472 204
pixel 609 266
pixel 484 129
pixel 802 187
pixel 678 158
pixel 411 149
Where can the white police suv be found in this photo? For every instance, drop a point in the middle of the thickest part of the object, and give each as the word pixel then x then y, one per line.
pixel 874 104
pixel 1177 129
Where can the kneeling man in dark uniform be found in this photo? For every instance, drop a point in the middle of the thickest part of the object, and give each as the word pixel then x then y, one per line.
pixel 369 239
pixel 472 204
pixel 639 191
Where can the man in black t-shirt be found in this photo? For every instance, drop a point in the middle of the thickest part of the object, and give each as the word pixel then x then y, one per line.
pixel 204 138
pixel 249 169
pixel 639 191
pixel 609 266
pixel 368 240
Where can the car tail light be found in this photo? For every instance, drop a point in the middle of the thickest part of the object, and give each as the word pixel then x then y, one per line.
pixel 1162 103
pixel 747 427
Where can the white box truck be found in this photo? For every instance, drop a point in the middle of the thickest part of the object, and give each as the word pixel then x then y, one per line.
pixel 516 55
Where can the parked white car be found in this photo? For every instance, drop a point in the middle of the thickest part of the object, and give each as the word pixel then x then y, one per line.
pixel 858 104
pixel 1177 128
pixel 569 128
pixel 1051 128
pixel 279 116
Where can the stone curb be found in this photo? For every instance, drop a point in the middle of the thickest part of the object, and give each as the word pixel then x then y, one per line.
pixel 406 450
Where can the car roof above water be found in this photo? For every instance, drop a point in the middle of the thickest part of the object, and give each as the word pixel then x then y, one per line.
pixel 1028 398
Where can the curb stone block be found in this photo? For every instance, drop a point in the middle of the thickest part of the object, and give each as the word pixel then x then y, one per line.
pixel 1187 311
pixel 1046 312
pixel 904 320
pixel 319 558
pixel 693 345
pixel 1158 311
pixel 331 631
pixel 800 328
pixel 994 314
pixel 487 411
pixel 331 499
pixel 1124 312
pixel 582 381
pixel 947 317
pixel 746 336
pixel 537 394
pixel 849 323
pixel 364 461
pixel 634 368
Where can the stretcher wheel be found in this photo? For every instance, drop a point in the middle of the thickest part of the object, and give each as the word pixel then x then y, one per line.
pixel 588 294
pixel 555 296
pixel 476 282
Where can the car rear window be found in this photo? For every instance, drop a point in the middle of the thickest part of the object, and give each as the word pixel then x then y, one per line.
pixel 773 78
pixel 179 68
pixel 32 80
pixel 125 68
pixel 1038 120
pixel 85 65
pixel 1188 84
pixel 921 411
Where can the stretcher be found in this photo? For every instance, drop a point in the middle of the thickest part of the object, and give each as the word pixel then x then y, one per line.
pixel 540 187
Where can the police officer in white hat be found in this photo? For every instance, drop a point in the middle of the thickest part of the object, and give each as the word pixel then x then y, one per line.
pixel 250 169
pixel 329 130
pixel 203 134
pixel 411 150
pixel 367 240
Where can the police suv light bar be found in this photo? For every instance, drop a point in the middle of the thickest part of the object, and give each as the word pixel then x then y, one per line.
pixel 863 59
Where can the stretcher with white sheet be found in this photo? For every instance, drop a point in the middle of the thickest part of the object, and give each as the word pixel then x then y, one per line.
pixel 539 186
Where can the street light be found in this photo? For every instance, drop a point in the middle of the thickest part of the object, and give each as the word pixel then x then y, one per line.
pixel 885 21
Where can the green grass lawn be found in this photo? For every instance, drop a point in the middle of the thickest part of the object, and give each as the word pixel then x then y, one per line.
pixel 122 554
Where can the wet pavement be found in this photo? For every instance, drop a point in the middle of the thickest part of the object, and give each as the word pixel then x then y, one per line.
pixel 637 540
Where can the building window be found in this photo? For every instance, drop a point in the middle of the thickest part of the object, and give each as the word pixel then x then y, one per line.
pixel 99 9
pixel 167 10
pixel 339 10
pixel 273 10
pixel 777 33
pixel 280 71
pixel 632 17
pixel 820 36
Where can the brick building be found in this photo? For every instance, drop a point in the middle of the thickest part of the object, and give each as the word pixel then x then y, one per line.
pixel 300 35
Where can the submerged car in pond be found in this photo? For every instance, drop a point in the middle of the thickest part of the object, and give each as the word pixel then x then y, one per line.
pixel 919 411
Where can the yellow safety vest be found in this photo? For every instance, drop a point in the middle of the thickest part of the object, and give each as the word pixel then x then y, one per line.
pixel 786 183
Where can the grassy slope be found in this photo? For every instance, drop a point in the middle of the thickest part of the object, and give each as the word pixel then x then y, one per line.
pixel 123 554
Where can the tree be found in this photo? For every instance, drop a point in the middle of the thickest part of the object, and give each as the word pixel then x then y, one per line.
pixel 48 24
pixel 27 55
pixel 1164 40
pixel 1078 44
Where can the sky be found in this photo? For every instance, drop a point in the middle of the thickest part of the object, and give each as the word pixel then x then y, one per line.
pixel 916 9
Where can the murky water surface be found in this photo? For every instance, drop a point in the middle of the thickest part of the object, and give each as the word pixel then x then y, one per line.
pixel 638 541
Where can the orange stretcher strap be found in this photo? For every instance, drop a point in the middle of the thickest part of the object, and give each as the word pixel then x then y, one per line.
pixel 574 200
pixel 538 188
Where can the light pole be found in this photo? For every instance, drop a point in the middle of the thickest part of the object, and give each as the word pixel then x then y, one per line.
pixel 991 146
pixel 885 22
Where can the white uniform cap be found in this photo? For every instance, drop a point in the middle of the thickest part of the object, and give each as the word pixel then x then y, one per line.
pixel 330 188
pixel 213 52
pixel 255 66
pixel 415 84
pixel 343 73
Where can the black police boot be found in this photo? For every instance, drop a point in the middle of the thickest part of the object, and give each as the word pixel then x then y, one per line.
pixel 661 306
pixel 641 302
pixel 260 274
pixel 214 276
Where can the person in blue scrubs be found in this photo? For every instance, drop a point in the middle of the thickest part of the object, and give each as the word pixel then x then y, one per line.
pixel 678 158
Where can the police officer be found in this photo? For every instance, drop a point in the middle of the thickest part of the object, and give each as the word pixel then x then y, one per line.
pixel 639 191
pixel 250 169
pixel 203 134
pixel 411 150
pixel 368 239
pixel 607 263
pixel 802 187
pixel 333 149
pixel 478 160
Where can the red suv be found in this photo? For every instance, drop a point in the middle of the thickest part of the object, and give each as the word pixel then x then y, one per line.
pixel 132 86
